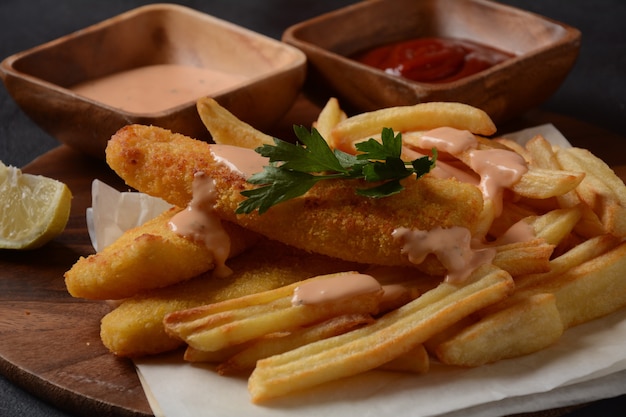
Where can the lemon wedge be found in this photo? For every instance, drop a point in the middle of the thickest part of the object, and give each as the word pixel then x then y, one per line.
pixel 33 209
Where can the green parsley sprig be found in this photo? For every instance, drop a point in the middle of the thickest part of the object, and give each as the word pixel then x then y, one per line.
pixel 296 168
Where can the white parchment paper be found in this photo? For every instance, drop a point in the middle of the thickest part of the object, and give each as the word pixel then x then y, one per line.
pixel 583 366
pixel 587 363
pixel 112 212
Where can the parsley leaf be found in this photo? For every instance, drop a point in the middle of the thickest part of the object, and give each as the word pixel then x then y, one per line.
pixel 295 168
pixel 389 147
pixel 285 185
pixel 314 156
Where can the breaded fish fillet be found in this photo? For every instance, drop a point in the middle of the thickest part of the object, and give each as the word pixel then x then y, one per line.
pixel 330 219
pixel 147 257
pixel 135 327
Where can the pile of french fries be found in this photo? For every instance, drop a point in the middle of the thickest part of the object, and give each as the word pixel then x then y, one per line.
pixel 573 271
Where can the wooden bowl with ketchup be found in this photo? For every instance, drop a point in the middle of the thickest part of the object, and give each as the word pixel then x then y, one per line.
pixel 384 53
pixel 149 66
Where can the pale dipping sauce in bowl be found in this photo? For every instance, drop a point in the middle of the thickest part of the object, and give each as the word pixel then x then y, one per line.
pixel 155 88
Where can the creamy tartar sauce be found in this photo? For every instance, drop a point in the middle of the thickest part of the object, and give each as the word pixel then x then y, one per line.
pixel 199 223
pixel 496 170
pixel 452 246
pixel 448 139
pixel 333 289
pixel 198 220
pixel 499 169
pixel 244 161
pixel 443 169
pixel 155 88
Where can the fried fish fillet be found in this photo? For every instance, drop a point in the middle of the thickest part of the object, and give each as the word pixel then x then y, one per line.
pixel 147 257
pixel 135 327
pixel 330 219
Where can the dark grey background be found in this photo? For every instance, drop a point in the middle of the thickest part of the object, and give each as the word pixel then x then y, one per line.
pixel 594 92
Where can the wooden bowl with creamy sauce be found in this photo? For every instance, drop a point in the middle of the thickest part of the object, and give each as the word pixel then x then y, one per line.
pixel 539 53
pixel 149 66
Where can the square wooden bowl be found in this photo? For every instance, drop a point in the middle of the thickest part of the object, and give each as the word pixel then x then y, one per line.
pixel 544 52
pixel 41 79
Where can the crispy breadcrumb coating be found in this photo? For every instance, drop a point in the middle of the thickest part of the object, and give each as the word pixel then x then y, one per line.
pixel 135 327
pixel 146 257
pixel 330 219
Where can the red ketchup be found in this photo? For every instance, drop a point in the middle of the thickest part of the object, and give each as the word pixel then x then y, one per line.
pixel 432 60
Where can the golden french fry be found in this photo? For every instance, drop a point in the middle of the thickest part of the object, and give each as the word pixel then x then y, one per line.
pixel 532 257
pixel 590 290
pixel 287 318
pixel 423 116
pixel 516 147
pixel 529 325
pixel 247 358
pixel 135 327
pixel 227 129
pixel 540 184
pixel 527 285
pixel 590 224
pixel 330 115
pixel 543 155
pixel 583 158
pixel 552 226
pixel 602 190
pixel 586 251
pixel 183 322
pixel 511 214
pixel 524 257
pixel 555 225
pixel 550 230
pixel 214 327
pixel 537 185
pixel 371 346
pixel 520 303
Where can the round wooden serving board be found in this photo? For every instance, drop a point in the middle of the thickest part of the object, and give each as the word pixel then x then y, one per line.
pixel 49 341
